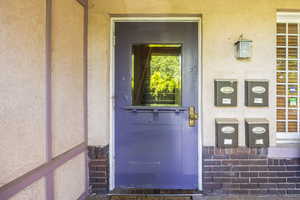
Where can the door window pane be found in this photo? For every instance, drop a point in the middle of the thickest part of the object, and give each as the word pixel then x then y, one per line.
pixel 156 75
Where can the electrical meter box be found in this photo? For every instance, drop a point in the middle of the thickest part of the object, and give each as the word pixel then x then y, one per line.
pixel 225 92
pixel 257 93
pixel 257 132
pixel 227 133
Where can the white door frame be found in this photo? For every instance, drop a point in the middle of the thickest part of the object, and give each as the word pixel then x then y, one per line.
pixel 112 89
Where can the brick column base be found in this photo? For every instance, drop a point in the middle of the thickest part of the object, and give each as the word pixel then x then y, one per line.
pixel 98 169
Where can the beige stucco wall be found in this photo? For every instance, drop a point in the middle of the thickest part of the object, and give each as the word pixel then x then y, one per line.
pixel 222 23
pixel 98 73
pixel 24 99
pixel 22 87
pixel 36 190
pixel 69 179
pixel 67 75
pixel 68 95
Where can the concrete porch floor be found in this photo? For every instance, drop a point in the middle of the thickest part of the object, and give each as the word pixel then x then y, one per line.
pixel 232 197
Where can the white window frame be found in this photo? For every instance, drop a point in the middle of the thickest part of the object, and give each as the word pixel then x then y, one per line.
pixel 289 137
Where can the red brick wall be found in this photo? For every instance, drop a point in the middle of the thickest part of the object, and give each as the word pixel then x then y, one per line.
pixel 249 171
pixel 225 171
pixel 98 169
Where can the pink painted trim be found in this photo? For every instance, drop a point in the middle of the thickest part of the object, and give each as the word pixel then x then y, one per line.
pixel 83 196
pixel 48 80
pixel 49 186
pixel 84 3
pixel 27 179
pixel 50 176
pixel 85 53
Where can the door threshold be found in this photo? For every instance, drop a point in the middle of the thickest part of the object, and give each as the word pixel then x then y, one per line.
pixel 155 193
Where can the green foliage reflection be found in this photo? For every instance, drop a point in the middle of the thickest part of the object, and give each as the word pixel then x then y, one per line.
pixel 165 74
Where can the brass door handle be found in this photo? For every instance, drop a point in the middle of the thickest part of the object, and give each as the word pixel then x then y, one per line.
pixel 193 116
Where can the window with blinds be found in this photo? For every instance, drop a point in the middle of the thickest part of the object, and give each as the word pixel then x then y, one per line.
pixel 288 63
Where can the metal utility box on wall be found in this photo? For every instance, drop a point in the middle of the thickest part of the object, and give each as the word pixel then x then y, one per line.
pixel 257 93
pixel 227 133
pixel 225 92
pixel 257 132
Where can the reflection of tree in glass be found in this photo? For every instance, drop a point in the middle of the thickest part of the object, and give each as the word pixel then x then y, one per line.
pixel 165 74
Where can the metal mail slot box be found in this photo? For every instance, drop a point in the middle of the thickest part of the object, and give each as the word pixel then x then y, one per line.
pixel 257 132
pixel 256 93
pixel 225 92
pixel 227 133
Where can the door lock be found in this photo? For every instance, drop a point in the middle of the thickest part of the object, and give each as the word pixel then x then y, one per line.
pixel 193 116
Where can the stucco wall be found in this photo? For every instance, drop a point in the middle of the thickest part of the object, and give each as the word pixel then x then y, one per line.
pixel 222 23
pixel 24 99
pixel 22 87
pixel 36 190
pixel 69 179
pixel 98 73
pixel 67 75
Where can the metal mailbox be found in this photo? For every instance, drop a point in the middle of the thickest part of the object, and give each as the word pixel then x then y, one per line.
pixel 256 93
pixel 257 132
pixel 225 92
pixel 227 133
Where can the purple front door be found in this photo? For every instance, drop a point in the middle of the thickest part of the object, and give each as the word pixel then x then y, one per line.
pixel 156 81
